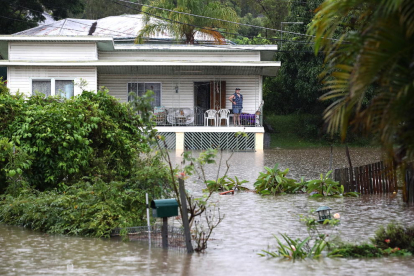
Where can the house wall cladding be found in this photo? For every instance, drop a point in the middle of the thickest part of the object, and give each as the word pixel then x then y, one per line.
pixel 250 88
pixel 181 56
pixel 20 77
pixel 52 51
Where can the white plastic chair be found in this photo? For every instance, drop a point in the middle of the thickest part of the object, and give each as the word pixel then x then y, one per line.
pixel 223 114
pixel 210 114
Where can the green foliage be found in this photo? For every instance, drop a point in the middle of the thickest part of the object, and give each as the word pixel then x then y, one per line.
pixel 90 134
pixel 296 249
pixel 274 181
pixel 380 48
pixel 25 14
pixel 225 184
pixel 87 208
pixel 356 251
pixel 296 88
pixel 306 130
pixel 366 250
pixel 13 161
pixel 96 9
pixel 395 236
pixel 186 32
pixel 80 166
pixel 3 87
pixel 326 186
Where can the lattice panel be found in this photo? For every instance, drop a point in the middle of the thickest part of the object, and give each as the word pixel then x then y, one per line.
pixel 169 139
pixel 224 140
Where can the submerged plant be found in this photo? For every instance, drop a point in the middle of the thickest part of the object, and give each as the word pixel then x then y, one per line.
pixel 326 186
pixel 226 183
pixel 296 249
pixel 274 181
pixel 395 235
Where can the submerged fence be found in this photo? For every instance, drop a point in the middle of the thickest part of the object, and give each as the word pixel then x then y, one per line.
pixel 409 180
pixel 152 234
pixel 374 178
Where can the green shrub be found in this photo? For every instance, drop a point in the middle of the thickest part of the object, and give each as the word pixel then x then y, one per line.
pixel 88 135
pixel 274 181
pixel 87 208
pixel 356 251
pixel 325 186
pixel 395 235
pixel 366 250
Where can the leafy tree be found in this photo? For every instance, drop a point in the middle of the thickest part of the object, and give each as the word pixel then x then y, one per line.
pixel 193 24
pixel 296 88
pixel 264 13
pixel 380 52
pixel 19 15
pixel 96 9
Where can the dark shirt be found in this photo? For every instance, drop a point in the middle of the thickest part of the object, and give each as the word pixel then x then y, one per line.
pixel 238 99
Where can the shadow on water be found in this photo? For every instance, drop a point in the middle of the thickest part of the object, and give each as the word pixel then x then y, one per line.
pixel 250 221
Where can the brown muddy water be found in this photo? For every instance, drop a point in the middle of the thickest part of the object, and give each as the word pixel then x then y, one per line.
pixel 250 221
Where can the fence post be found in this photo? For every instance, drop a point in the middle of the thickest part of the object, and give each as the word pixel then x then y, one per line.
pixel 164 232
pixel 351 170
pixel 187 234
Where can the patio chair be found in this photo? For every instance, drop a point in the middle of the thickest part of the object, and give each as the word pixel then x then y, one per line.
pixel 223 114
pixel 210 114
pixel 160 115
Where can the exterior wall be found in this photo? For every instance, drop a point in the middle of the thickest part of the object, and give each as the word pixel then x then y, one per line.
pixel 189 56
pixel 52 51
pixel 251 88
pixel 20 78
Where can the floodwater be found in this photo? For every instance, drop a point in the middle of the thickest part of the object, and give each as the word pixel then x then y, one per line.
pixel 249 224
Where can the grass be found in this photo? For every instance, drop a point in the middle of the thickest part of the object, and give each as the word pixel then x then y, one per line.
pixel 306 131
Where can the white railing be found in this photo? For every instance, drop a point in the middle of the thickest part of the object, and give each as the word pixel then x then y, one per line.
pixel 195 116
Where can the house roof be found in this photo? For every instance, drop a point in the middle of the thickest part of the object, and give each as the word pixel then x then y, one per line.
pixel 123 28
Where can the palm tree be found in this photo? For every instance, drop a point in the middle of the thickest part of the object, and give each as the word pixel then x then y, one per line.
pixel 379 54
pixel 192 24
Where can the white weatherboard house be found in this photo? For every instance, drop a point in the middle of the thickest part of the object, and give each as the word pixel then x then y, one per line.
pixel 187 80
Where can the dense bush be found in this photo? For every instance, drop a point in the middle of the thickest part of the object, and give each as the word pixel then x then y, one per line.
pixel 395 235
pixel 79 166
pixel 91 134
pixel 88 208
pixel 357 251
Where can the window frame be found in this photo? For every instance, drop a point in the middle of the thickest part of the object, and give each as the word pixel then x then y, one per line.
pixel 52 84
pixel 144 82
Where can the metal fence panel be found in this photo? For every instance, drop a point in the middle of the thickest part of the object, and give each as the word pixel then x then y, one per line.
pixel 223 140
pixel 170 140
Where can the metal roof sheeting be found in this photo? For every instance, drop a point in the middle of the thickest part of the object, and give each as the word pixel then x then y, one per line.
pixel 118 27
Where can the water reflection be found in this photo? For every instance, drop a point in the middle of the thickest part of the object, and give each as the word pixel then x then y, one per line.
pixel 247 229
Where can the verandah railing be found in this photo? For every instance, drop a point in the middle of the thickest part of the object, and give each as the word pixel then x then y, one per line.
pixel 196 117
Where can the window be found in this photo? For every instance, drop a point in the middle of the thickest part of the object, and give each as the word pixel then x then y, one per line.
pixel 54 87
pixel 140 88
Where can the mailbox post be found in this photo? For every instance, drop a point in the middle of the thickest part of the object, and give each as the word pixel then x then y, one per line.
pixel 164 208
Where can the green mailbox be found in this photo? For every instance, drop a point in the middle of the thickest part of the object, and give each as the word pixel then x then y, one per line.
pixel 162 208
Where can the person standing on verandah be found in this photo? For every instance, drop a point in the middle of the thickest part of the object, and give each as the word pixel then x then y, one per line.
pixel 237 106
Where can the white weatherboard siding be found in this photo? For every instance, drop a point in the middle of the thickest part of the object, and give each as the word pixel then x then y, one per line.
pixel 192 56
pixel 52 51
pixel 20 78
pixel 250 88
